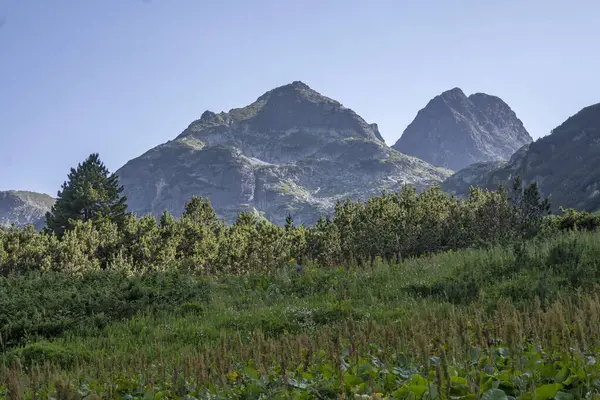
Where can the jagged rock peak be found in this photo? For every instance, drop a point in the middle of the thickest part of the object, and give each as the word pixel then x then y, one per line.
pixel 299 91
pixel 454 93
pixel 454 130
pixel 295 86
pixel 298 85
pixel 284 109
pixel 208 116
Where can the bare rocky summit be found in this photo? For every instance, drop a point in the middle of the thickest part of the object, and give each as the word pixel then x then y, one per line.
pixel 292 151
pixel 21 208
pixel 454 131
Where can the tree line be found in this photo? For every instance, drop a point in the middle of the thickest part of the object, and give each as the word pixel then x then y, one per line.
pixel 88 228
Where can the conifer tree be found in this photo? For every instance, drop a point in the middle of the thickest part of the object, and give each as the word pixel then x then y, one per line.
pixel 289 223
pixel 90 193
pixel 246 218
pixel 530 207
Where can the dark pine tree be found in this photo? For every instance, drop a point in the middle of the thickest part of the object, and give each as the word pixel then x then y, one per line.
pixel 90 193
pixel 289 223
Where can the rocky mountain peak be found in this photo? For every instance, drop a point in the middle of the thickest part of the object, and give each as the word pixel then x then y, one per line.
pixel 293 150
pixel 296 105
pixel 453 94
pixel 299 84
pixel 297 87
pixel 284 124
pixel 454 130
pixel 296 90
pixel 208 116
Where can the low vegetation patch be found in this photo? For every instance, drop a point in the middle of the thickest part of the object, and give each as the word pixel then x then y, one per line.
pixel 404 296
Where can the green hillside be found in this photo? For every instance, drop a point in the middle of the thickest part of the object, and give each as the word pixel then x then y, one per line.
pixel 411 296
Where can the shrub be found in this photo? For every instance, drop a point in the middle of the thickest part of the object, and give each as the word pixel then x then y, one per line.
pixel 40 353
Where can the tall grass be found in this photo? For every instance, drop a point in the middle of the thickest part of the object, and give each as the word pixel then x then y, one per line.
pixel 466 322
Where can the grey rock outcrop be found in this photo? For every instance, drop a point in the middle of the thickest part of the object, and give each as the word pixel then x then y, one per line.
pixel 21 208
pixel 454 131
pixel 292 151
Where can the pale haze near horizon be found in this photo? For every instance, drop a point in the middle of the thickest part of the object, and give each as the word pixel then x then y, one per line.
pixel 119 77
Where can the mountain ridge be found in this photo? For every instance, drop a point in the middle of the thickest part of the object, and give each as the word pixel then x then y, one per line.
pixel 561 163
pixel 295 151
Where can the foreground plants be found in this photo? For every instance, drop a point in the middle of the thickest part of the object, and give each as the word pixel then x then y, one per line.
pixel 511 353
pixel 507 322
pixel 492 373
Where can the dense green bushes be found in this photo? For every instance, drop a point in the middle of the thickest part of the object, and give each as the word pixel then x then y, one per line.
pixel 46 305
pixel 88 230
pixel 392 226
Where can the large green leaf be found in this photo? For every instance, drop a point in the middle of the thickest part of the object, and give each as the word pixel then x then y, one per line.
pixel 252 372
pixel 458 380
pixel 419 390
pixel 406 390
pixel 548 391
pixel 564 396
pixel 494 394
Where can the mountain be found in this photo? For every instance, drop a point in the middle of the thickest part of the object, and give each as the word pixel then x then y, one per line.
pixel 291 151
pixel 24 208
pixel 486 175
pixel 454 130
pixel 565 164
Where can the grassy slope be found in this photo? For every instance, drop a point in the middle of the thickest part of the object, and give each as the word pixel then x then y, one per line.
pixel 152 333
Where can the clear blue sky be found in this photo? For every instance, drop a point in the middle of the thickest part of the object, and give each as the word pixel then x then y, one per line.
pixel 121 76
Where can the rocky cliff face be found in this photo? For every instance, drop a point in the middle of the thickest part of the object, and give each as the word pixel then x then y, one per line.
pixel 454 131
pixel 565 164
pixel 24 208
pixel 291 151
